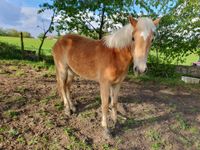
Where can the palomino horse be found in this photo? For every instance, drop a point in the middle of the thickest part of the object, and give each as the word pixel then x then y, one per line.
pixel 105 61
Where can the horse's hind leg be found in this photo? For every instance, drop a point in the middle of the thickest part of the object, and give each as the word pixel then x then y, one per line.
pixel 62 76
pixel 68 85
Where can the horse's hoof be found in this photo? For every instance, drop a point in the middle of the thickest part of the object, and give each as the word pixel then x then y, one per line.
pixel 67 112
pixel 73 108
pixel 107 134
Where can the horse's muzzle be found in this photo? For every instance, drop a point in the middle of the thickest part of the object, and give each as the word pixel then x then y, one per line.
pixel 139 71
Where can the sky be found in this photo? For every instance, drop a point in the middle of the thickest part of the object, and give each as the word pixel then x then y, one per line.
pixel 22 15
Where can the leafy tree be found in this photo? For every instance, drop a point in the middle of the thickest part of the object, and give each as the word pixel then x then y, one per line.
pixel 88 17
pixel 179 32
pixel 44 34
pixel 26 34
pixel 2 32
pixel 41 35
pixel 177 36
pixel 12 32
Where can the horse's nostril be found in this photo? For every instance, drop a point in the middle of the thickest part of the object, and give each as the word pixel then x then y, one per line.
pixel 135 69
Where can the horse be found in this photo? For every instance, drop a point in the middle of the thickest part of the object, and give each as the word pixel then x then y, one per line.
pixel 105 61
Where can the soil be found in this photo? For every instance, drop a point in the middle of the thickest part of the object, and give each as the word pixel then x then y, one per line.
pixel 158 116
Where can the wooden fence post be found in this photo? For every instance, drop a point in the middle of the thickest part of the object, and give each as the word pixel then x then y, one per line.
pixel 22 42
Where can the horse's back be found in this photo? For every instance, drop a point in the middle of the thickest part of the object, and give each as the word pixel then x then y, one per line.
pixel 81 54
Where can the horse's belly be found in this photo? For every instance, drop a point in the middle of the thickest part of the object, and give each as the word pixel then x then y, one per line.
pixel 84 67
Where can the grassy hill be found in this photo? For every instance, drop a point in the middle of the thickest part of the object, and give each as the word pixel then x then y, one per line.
pixel 30 43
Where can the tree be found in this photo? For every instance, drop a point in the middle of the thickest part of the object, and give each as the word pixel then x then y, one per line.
pixel 12 32
pixel 88 17
pixel 26 34
pixel 41 35
pixel 179 32
pixel 44 34
pixel 2 32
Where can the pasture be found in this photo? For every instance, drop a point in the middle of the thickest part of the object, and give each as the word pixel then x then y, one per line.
pixel 160 113
pixel 33 45
pixel 30 43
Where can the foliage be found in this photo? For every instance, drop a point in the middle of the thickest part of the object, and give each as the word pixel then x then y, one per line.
pixel 179 33
pixel 41 35
pixel 95 18
pixel 13 33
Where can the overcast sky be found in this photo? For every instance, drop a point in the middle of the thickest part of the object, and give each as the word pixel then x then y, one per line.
pixel 22 15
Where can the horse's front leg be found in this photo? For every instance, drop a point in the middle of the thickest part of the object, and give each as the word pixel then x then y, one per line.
pixel 114 91
pixel 104 89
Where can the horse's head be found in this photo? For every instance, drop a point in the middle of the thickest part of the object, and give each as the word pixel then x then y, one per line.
pixel 142 37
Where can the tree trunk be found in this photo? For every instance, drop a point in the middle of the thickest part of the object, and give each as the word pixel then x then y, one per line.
pixel 102 22
pixel 44 36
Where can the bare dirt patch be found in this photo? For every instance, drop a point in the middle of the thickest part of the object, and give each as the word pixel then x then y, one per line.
pixel 32 116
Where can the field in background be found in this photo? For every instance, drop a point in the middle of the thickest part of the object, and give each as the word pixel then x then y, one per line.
pixel 30 43
pixel 33 44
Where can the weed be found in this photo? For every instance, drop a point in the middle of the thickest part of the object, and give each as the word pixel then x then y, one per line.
pixel 59 106
pixel 13 68
pixel 75 143
pixel 183 124
pixel 194 130
pixel 155 137
pixel 1 138
pixel 105 147
pixel 13 132
pixel 185 141
pixel 43 112
pixel 129 123
pixel 11 114
pixel 19 73
pixel 2 129
pixel 87 114
pixel 33 141
pixel 51 95
pixel 49 124
pixel 21 89
pixel 21 139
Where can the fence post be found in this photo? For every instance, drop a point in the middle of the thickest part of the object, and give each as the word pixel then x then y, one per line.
pixel 22 42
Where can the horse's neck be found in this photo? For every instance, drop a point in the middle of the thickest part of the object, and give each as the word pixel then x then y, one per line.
pixel 125 56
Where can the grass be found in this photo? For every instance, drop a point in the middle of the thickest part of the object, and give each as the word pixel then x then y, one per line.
pixel 13 132
pixel 11 113
pixel 29 43
pixel 156 141
pixel 75 143
pixel 187 60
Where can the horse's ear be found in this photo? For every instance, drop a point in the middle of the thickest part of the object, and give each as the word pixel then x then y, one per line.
pixel 132 21
pixel 156 22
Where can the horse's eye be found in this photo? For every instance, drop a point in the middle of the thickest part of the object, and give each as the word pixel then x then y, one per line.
pixel 132 38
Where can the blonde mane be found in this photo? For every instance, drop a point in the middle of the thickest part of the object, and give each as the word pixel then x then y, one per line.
pixel 123 37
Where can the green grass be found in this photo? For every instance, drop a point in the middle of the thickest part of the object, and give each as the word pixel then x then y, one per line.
pixel 187 60
pixel 75 143
pixel 157 142
pixel 29 43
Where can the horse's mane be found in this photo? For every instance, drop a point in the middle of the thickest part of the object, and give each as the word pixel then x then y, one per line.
pixel 123 37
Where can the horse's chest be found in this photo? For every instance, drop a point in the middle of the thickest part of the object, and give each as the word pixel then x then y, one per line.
pixel 115 74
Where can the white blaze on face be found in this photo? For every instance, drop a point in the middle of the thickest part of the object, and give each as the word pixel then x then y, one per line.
pixel 145 25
